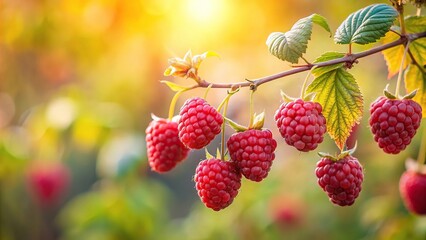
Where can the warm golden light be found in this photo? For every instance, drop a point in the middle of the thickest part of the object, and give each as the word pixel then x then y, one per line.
pixel 204 10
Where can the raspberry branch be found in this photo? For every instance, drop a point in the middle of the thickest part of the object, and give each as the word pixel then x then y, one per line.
pixel 349 59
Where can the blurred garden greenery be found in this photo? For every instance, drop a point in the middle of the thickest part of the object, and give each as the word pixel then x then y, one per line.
pixel 80 79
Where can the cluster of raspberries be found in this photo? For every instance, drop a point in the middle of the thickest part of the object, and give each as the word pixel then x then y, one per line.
pixel 301 124
pixel 251 151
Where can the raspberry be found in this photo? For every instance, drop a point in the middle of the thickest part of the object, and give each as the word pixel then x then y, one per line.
pixel 394 123
pixel 199 123
pixel 48 182
pixel 412 187
pixel 164 148
pixel 341 179
pixel 253 152
pixel 217 183
pixel 301 124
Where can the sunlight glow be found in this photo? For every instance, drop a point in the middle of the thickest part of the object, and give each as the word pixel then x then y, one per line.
pixel 204 10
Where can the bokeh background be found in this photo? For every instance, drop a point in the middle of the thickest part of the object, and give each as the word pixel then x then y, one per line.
pixel 80 79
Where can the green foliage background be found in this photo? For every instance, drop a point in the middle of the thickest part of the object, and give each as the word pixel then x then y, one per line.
pixel 80 79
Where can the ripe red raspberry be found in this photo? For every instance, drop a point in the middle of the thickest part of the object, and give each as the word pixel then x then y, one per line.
pixel 164 148
pixel 301 124
pixel 341 179
pixel 217 183
pixel 412 187
pixel 394 123
pixel 253 152
pixel 48 182
pixel 199 123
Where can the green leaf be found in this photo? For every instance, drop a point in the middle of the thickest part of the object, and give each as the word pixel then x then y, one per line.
pixel 416 79
pixel 286 98
pixel 327 57
pixel 416 24
pixel 237 127
pixel 291 45
pixel 339 94
pixel 366 25
pixel 393 56
pixel 208 155
pixel 321 21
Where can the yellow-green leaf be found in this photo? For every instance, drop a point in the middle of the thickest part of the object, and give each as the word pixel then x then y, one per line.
pixel 339 94
pixel 393 56
pixel 174 87
pixel 416 79
pixel 416 24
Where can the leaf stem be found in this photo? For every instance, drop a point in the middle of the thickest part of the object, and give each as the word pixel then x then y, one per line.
pixel 306 61
pixel 207 91
pixel 401 70
pixel 173 104
pixel 222 140
pixel 400 9
pixel 421 158
pixel 224 104
pixel 226 99
pixel 251 109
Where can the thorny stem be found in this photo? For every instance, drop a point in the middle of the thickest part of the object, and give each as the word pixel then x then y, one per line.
pixel 346 59
pixel 422 151
pixel 401 70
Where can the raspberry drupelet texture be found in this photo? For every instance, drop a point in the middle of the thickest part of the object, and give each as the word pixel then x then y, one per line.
pixel 412 187
pixel 341 179
pixel 164 148
pixel 199 123
pixel 253 152
pixel 301 124
pixel 217 183
pixel 394 123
